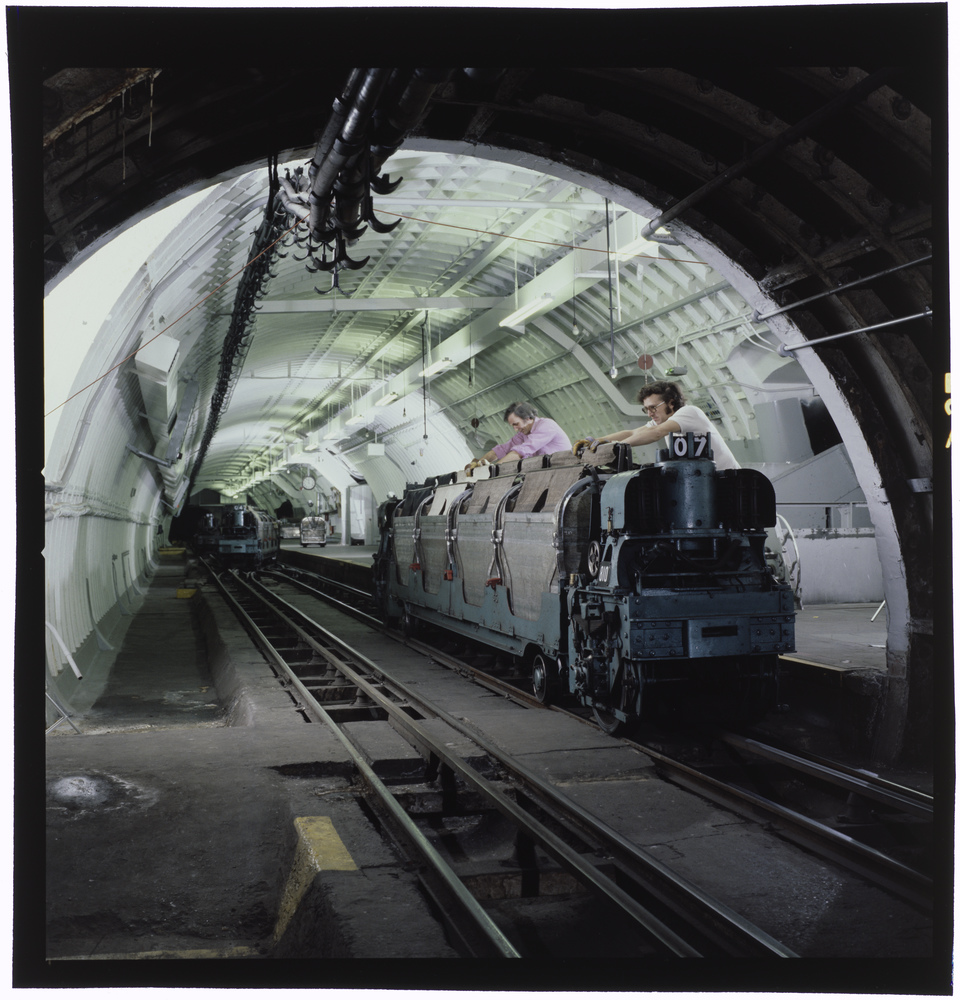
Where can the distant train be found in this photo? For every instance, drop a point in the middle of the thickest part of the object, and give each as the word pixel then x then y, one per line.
pixel 634 589
pixel 313 531
pixel 206 539
pixel 249 539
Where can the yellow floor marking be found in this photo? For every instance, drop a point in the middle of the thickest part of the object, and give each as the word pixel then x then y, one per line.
pixel 319 848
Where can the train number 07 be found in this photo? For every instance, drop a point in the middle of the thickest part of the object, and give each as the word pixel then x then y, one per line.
pixel 681 445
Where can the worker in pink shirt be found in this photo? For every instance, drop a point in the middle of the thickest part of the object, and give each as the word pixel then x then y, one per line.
pixel 534 436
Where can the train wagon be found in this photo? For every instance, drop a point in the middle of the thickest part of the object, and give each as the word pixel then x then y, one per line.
pixel 249 538
pixel 313 531
pixel 628 588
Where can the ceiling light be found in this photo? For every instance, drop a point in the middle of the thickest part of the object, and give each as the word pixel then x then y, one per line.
pixel 438 366
pixel 525 312
pixel 358 419
pixel 388 398
pixel 332 434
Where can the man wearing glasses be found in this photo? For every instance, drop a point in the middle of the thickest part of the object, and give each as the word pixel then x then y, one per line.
pixel 668 413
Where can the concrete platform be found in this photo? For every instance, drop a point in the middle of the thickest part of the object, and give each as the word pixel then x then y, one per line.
pixel 843 636
pixel 332 550
pixel 348 564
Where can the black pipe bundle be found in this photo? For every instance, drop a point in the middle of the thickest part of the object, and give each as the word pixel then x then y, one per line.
pixel 368 123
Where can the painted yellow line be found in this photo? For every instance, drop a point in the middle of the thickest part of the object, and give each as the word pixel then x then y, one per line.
pixel 319 848
pixel 326 850
pixel 816 663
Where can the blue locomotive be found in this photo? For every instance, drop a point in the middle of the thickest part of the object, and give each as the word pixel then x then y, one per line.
pixel 248 538
pixel 206 539
pixel 632 588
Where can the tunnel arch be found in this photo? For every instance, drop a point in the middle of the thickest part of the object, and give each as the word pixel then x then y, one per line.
pixel 831 210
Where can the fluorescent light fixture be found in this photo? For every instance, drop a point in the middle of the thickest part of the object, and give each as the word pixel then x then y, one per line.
pixel 358 419
pixel 332 434
pixel 388 398
pixel 525 312
pixel 438 366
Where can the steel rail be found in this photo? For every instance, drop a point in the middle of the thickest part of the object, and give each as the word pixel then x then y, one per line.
pixel 905 799
pixel 830 843
pixel 913 886
pixel 915 794
pixel 349 588
pixel 482 678
pixel 488 681
pixel 539 833
pixel 491 934
pixel 712 914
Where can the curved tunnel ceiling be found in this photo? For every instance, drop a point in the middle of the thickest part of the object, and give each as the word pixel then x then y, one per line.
pixel 786 205
pixel 477 238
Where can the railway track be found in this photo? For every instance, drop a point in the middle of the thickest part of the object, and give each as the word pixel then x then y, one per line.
pixel 333 683
pixel 819 805
pixel 873 827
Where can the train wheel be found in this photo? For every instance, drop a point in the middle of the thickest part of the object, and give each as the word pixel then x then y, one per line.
pixel 607 721
pixel 545 683
pixel 625 697
pixel 593 559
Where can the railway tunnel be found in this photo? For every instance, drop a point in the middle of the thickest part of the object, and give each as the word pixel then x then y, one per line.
pixel 301 287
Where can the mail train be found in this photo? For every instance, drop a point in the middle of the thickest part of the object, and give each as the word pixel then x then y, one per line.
pixel 248 538
pixel 635 589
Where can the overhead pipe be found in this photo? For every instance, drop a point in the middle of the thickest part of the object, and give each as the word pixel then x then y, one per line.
pixel 331 130
pixel 343 149
pixel 149 458
pixel 787 137
pixel 66 652
pixel 376 110
pixel 759 318
pixel 392 124
pixel 789 352
pixel 401 107
pixel 236 342
pixel 390 128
